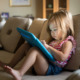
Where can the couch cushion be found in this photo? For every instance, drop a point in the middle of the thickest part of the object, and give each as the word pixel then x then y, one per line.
pixel 74 62
pixel 5 56
pixel 45 33
pixel 62 76
pixel 75 75
pixel 9 35
pixel 36 26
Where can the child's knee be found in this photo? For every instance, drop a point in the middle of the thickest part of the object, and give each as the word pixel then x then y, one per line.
pixel 35 49
pixel 26 45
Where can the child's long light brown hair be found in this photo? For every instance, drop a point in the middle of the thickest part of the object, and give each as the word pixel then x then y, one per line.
pixel 63 20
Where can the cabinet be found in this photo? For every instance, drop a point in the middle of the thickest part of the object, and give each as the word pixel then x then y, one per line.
pixel 51 6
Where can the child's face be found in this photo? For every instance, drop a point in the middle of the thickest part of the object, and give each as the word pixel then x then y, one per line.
pixel 56 33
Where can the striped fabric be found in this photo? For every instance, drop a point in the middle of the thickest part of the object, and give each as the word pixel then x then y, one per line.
pixel 58 47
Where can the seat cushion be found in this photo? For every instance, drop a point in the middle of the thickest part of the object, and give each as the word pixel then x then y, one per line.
pixel 9 36
pixel 62 76
pixel 75 75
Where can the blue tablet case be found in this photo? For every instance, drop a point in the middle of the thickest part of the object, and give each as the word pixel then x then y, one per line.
pixel 31 39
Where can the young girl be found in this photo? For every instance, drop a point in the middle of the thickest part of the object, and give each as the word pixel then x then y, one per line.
pixel 61 29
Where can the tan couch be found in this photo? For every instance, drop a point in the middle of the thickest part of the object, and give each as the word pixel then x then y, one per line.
pixel 40 29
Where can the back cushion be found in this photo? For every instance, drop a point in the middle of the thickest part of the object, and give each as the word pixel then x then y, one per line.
pixel 45 33
pixel 36 26
pixel 9 35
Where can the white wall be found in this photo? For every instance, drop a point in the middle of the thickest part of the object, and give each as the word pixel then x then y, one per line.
pixel 17 11
pixel 75 7
pixel 34 9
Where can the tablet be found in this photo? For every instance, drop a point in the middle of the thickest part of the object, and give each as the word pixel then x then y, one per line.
pixel 34 41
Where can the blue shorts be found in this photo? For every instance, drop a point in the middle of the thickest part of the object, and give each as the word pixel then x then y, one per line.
pixel 52 70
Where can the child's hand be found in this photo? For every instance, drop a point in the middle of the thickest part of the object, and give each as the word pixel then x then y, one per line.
pixel 44 43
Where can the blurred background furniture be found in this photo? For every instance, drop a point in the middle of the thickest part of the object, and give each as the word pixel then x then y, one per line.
pixel 51 6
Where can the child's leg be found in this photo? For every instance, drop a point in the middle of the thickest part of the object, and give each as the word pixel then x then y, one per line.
pixel 20 53
pixel 33 58
pixel 36 59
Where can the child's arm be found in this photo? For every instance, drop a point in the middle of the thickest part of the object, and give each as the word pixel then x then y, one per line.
pixel 60 55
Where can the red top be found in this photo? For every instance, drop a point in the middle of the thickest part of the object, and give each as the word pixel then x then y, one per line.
pixel 59 46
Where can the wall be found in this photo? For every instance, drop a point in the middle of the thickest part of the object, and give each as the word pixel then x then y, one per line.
pixel 35 9
pixel 17 11
pixel 75 7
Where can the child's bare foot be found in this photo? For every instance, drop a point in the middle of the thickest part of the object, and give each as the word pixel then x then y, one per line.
pixel 14 73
